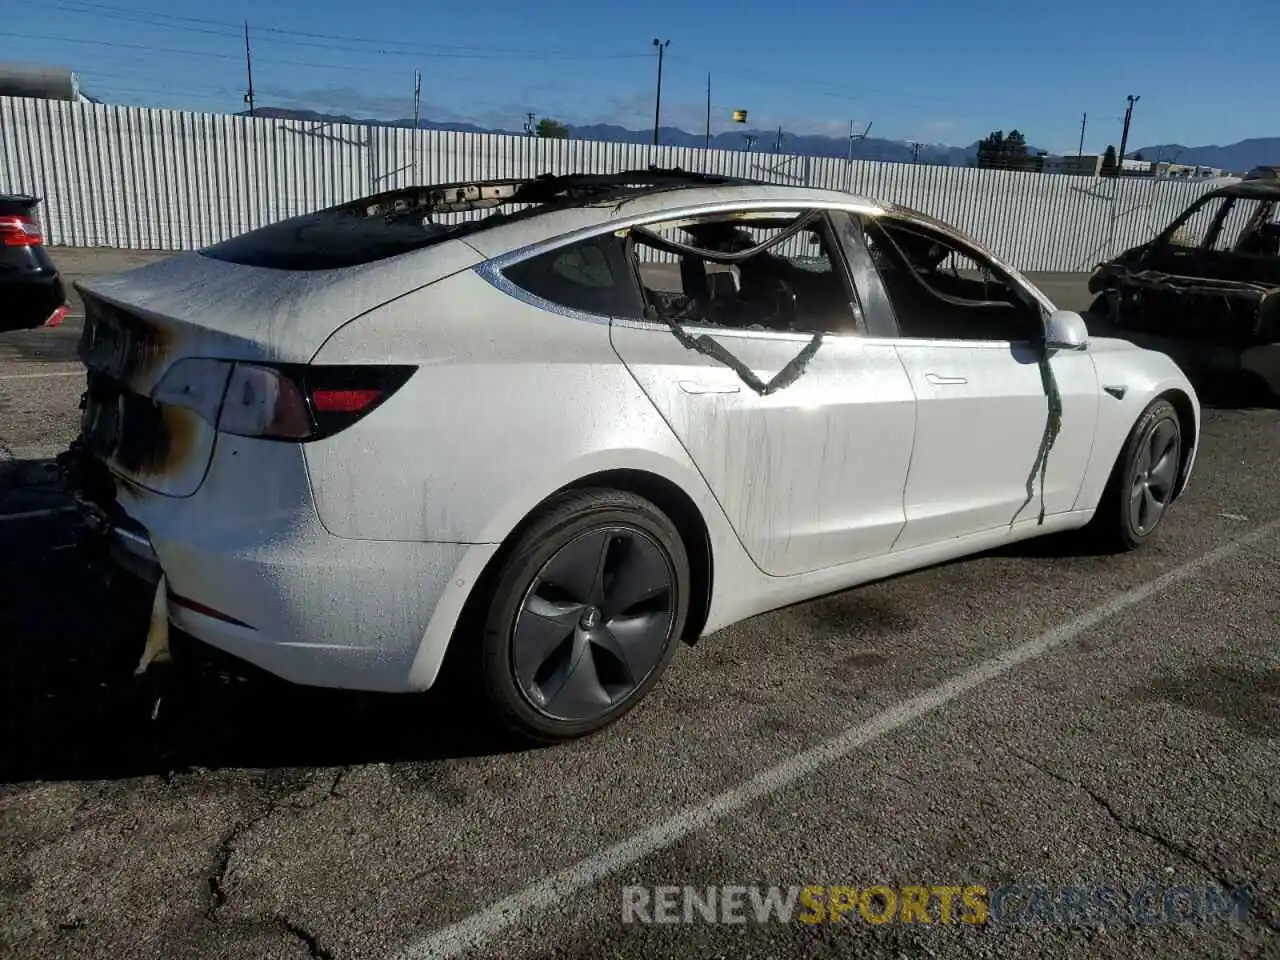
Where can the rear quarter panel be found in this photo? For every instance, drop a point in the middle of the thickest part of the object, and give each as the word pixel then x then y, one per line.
pixel 509 404
pixel 1145 375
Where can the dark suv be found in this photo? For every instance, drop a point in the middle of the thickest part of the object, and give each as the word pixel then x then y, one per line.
pixel 31 291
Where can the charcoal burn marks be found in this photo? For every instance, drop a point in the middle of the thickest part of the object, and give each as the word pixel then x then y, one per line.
pixel 857 616
pixel 144 438
pixel 433 779
pixel 121 345
pixel 1249 700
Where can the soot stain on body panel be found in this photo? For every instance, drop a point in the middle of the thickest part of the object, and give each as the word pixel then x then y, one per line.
pixel 120 344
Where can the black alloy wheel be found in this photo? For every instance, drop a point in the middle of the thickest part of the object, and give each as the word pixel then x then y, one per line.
pixel 1143 482
pixel 585 614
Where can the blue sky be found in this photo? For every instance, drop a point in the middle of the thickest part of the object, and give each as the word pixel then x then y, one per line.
pixel 932 70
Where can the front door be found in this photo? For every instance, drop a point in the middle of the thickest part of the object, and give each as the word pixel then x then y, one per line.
pixel 968 337
pixel 809 471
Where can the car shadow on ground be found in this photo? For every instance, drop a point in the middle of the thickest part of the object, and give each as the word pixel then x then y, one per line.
pixel 70 708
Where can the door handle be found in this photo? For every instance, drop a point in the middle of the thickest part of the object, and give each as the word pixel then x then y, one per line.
pixel 938 381
pixel 693 386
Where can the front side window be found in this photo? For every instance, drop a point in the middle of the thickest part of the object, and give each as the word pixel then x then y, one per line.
pixel 1196 224
pixel 591 276
pixel 747 270
pixel 941 289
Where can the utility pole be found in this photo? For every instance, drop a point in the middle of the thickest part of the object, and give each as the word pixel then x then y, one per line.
pixel 248 66
pixel 529 128
pixel 1084 118
pixel 751 139
pixel 1119 171
pixel 853 139
pixel 915 150
pixel 657 103
pixel 777 142
pixel 707 142
pixel 417 112
pixel 1124 135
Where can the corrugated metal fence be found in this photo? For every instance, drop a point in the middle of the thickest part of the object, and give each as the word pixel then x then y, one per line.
pixel 140 178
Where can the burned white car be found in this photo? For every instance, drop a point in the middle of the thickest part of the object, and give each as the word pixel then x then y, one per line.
pixel 557 426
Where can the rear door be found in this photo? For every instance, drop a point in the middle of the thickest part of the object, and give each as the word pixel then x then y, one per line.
pixel 968 335
pixel 801 424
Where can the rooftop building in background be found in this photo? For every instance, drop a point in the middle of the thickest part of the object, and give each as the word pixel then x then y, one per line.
pixel 1187 171
pixel 1086 165
pixel 41 82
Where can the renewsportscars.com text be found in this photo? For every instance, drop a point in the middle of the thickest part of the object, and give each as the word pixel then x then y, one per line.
pixel 940 903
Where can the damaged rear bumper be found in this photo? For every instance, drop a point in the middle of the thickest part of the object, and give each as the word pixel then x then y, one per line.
pixel 244 566
pixel 110 539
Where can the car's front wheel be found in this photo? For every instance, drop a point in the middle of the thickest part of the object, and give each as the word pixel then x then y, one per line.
pixel 585 614
pixel 1144 480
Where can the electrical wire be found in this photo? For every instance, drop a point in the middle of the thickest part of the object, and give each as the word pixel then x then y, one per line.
pixel 131 15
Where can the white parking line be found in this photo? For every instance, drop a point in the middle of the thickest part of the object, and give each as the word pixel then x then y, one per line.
pixel 38 376
pixel 36 514
pixel 473 931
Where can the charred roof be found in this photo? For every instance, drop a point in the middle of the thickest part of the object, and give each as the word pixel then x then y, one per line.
pixel 1258 188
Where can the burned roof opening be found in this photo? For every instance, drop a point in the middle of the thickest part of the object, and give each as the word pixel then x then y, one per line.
pixel 400 221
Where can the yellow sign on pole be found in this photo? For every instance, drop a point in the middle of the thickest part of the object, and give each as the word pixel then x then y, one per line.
pixel 739 116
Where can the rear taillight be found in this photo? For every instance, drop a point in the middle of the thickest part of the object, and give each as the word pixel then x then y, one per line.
pixel 263 402
pixel 56 318
pixel 338 396
pixel 20 230
pixel 278 401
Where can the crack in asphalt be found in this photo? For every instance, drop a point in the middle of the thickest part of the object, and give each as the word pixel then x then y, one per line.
pixel 311 941
pixel 1177 849
pixel 276 799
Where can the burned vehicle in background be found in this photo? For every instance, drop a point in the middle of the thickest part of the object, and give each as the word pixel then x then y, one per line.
pixel 1207 289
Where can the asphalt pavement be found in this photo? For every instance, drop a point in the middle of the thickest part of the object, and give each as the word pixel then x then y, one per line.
pixel 1037 717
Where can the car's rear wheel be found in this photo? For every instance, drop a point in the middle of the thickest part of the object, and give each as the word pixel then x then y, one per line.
pixel 585 614
pixel 1144 480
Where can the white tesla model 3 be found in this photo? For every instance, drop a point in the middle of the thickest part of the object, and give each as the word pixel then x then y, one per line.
pixel 562 424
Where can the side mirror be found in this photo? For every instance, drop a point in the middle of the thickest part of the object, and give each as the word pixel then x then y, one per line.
pixel 1066 330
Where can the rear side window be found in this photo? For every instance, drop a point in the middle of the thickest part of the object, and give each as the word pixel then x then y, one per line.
pixel 592 276
pixel 328 240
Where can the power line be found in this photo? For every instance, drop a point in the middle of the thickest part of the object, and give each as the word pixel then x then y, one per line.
pixel 780 80
pixel 193 53
pixel 277 35
pixel 343 43
pixel 213 93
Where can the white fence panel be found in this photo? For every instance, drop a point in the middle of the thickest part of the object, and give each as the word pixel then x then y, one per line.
pixel 142 178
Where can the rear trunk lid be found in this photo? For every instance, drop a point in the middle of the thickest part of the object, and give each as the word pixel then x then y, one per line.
pixel 139 324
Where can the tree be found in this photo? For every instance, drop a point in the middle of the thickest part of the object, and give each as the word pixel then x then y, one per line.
pixel 552 129
pixel 1109 165
pixel 991 149
pixel 1015 151
pixel 1005 153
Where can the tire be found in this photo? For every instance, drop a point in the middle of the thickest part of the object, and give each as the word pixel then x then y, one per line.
pixel 565 651
pixel 1125 519
pixel 1099 310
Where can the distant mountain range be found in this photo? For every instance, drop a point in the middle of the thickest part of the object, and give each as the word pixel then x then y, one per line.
pixel 805 145
pixel 1237 157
